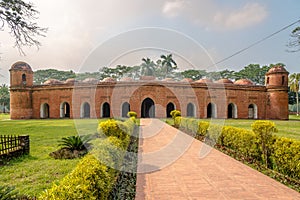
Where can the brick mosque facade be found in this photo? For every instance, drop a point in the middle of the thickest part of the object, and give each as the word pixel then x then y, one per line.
pixel 148 97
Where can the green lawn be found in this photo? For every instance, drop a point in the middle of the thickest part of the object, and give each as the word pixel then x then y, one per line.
pixel 286 128
pixel 36 172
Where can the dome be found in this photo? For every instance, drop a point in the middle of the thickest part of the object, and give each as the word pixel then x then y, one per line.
pixel 204 80
pixel 108 79
pixel 52 82
pixel 70 80
pixel 225 81
pixel 168 79
pixel 90 80
pixel 243 82
pixel 277 69
pixel 20 65
pixel 126 79
pixel 147 78
pixel 187 80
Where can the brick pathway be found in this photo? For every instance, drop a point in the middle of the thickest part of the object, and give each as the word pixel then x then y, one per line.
pixel 215 176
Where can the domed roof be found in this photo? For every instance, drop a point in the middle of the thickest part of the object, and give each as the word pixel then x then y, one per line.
pixel 147 78
pixel 277 69
pixel 90 80
pixel 168 79
pixel 20 65
pixel 70 80
pixel 126 79
pixel 204 80
pixel 187 80
pixel 243 82
pixel 108 79
pixel 52 82
pixel 225 81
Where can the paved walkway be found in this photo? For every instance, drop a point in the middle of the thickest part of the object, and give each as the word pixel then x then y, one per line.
pixel 173 165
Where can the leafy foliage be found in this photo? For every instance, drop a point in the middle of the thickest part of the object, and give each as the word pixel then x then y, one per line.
pixel 8 193
pixel 19 16
pixel 294 82
pixel 294 42
pixel 132 114
pixel 40 76
pixel 4 97
pixel 194 74
pixel 75 142
pixel 174 114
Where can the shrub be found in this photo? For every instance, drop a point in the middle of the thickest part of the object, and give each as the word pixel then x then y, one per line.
pixel 286 157
pixel 89 180
pixel 132 114
pixel 175 113
pixel 8 193
pixel 115 128
pixel 192 125
pixel 264 130
pixel 177 122
pixel 202 128
pixel 214 133
pixel 75 142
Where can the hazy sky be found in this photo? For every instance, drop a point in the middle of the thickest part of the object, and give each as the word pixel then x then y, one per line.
pixel 198 32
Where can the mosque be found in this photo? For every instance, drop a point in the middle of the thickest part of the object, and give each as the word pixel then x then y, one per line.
pixel 148 97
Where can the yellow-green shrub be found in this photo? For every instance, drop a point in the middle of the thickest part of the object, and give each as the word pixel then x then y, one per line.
pixel 175 113
pixel 177 122
pixel 192 125
pixel 115 128
pixel 202 128
pixel 89 180
pixel 214 133
pixel 132 114
pixel 286 157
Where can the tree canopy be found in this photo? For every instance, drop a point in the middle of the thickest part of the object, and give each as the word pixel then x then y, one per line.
pixel 20 17
pixel 294 42
pixel 40 76
pixel 4 97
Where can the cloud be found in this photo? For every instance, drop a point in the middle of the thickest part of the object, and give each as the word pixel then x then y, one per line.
pixel 172 8
pixel 248 15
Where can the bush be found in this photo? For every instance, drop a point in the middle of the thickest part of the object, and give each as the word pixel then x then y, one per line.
pixel 214 133
pixel 177 122
pixel 75 142
pixel 132 114
pixel 192 125
pixel 115 128
pixel 264 130
pixel 202 128
pixel 175 113
pixel 286 157
pixel 89 180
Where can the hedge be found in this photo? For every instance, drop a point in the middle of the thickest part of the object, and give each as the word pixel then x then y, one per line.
pixel 282 153
pixel 95 175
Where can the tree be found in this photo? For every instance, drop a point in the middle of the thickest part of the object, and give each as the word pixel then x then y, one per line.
pixel 148 67
pixel 254 72
pixel 194 74
pixel 40 76
pixel 168 64
pixel 19 17
pixel 294 81
pixel 4 96
pixel 295 40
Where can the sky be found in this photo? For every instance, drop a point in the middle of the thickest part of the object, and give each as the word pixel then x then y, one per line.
pixel 85 35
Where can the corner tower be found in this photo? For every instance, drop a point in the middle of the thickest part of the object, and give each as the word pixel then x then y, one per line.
pixel 21 82
pixel 276 82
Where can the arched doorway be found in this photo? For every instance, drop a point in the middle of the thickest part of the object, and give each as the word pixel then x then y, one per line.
pixel 44 111
pixel 106 110
pixel 170 107
pixel 211 110
pixel 85 110
pixel 125 109
pixel 64 110
pixel 148 108
pixel 231 111
pixel 252 111
pixel 190 110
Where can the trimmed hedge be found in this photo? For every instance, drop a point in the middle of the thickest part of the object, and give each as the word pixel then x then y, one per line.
pixel 95 176
pixel 277 153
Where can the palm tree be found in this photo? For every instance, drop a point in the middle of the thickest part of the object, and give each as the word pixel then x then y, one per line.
pixel 168 63
pixel 294 81
pixel 148 67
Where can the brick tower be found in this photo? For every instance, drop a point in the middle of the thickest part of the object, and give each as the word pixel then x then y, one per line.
pixel 277 93
pixel 21 81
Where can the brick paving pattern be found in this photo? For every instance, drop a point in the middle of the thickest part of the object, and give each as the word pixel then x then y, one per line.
pixel 214 176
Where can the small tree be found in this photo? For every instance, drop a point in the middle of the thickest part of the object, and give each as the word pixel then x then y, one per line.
pixel 264 132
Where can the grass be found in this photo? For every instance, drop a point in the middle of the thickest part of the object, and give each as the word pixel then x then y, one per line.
pixel 36 172
pixel 286 128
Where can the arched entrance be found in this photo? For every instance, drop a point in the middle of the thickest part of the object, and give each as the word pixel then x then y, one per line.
pixel 190 110
pixel 44 111
pixel 106 110
pixel 148 108
pixel 231 111
pixel 211 110
pixel 170 107
pixel 85 110
pixel 125 109
pixel 252 111
pixel 64 110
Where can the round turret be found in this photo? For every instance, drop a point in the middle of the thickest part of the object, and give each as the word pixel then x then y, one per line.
pixel 21 75
pixel 277 76
pixel 224 81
